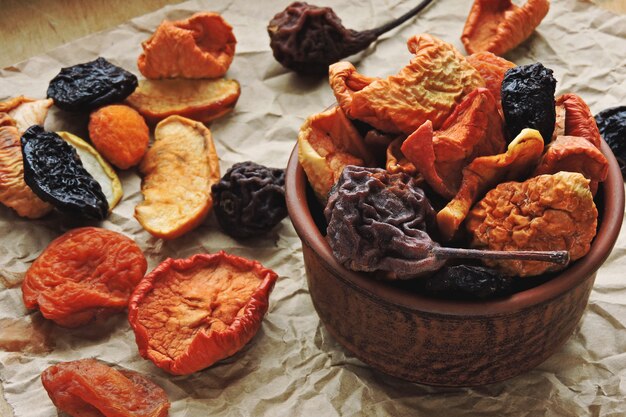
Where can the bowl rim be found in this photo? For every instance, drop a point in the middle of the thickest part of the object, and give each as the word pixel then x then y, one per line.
pixel 581 270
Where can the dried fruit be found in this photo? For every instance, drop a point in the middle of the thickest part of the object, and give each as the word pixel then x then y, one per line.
pixel 120 134
pixel 84 274
pixel 612 125
pixel 14 192
pixel 202 46
pixel 99 169
pixel 89 388
pixel 578 119
pixel 548 212
pixel 397 162
pixel 468 282
pixel 201 100
pixel 528 99
pixel 250 199
pixel 499 26
pixel 179 170
pixel 26 111
pixel 307 38
pixel 492 68
pixel 474 129
pixel 84 87
pixel 53 170
pixel 188 314
pixel 421 91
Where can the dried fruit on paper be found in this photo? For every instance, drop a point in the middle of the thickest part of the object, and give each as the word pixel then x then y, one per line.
pixel 474 129
pixel 26 111
pixel 188 314
pixel 436 79
pixel 202 46
pixel 612 125
pixel 499 25
pixel 89 388
pixel 548 212
pixel 492 68
pixel 578 119
pixel 484 173
pixel 179 169
pixel 201 100
pixel 84 274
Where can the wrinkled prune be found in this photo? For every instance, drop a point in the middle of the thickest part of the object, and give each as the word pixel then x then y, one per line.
pixel 468 281
pixel 249 200
pixel 612 125
pixel 84 87
pixel 53 170
pixel 528 100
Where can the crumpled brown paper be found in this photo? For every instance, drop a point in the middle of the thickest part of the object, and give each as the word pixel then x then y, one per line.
pixel 293 367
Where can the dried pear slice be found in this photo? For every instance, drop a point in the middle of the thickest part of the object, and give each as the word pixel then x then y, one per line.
pixel 202 100
pixel 179 170
pixel 100 169
pixel 26 111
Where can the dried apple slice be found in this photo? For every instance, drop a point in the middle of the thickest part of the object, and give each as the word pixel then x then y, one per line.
pixel 26 111
pixel 201 100
pixel 179 170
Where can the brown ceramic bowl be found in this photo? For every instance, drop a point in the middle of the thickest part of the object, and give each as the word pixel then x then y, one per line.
pixel 442 342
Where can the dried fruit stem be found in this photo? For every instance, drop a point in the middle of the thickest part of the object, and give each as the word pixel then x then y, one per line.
pixel 558 257
pixel 400 20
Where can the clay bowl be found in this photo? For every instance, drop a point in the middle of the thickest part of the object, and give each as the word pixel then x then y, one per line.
pixel 443 342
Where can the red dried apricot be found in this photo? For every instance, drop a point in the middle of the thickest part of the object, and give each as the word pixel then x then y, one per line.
pixel 88 388
pixel 84 274
pixel 188 314
pixel 578 119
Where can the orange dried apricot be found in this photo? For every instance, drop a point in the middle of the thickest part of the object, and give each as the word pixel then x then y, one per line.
pixel 492 68
pixel 578 119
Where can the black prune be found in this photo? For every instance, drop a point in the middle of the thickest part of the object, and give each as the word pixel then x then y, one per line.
pixel 612 125
pixel 468 282
pixel 84 87
pixel 249 200
pixel 53 170
pixel 528 100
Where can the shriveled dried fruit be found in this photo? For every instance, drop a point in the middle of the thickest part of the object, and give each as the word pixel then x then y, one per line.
pixel 99 169
pixel 528 100
pixel 89 388
pixel 83 87
pixel 492 68
pixel 201 100
pixel 26 111
pixel 188 314
pixel 397 162
pixel 120 134
pixel 53 170
pixel 468 282
pixel 612 125
pixel 307 38
pixel 202 46
pixel 250 199
pixel 578 119
pixel 499 25
pixel 179 170
pixel 84 274
pixel 474 129
pixel 548 212
pixel 420 91
pixel 14 192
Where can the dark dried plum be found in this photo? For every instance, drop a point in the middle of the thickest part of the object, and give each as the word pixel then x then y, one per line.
pixel 612 125
pixel 84 87
pixel 528 100
pixel 53 170
pixel 468 282
pixel 249 200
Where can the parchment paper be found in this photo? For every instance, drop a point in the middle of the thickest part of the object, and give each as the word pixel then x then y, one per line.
pixel 293 367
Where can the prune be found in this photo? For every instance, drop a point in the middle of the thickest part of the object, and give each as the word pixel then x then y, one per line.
pixel 249 200
pixel 468 282
pixel 84 87
pixel 528 100
pixel 612 125
pixel 53 170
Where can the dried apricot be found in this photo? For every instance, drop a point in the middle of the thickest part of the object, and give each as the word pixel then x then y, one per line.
pixel 578 119
pixel 492 68
pixel 188 314
pixel 89 388
pixel 120 134
pixel 84 274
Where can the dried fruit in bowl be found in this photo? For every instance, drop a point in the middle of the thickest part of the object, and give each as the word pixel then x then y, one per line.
pixel 202 46
pixel 327 142
pixel 26 111
pixel 578 119
pixel 421 91
pixel 484 173
pixel 120 134
pixel 468 282
pixel 250 199
pixel 499 25
pixel 397 162
pixel 84 274
pixel 612 125
pixel 14 192
pixel 188 314
pixel 548 212
pixel 201 100
pixel 179 169
pixel 474 129
pixel 89 388
pixel 492 68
